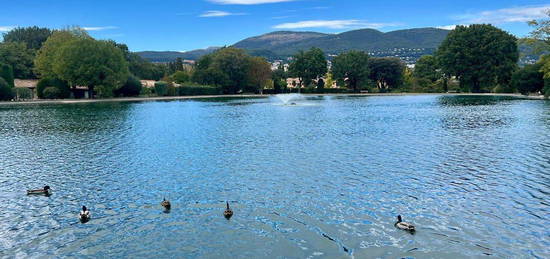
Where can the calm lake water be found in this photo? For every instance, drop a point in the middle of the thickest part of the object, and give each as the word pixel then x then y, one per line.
pixel 323 179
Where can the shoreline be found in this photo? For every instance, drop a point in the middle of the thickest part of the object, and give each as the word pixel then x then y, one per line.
pixel 191 97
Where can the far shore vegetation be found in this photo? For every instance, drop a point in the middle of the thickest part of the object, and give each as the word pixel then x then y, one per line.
pixel 69 63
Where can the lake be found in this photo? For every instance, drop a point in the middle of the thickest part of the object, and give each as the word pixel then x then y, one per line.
pixel 325 178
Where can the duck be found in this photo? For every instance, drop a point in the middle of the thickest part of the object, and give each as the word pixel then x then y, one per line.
pixel 84 215
pixel 46 190
pixel 166 204
pixel 228 213
pixel 404 225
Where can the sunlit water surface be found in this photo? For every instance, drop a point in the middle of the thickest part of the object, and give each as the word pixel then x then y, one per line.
pixel 324 179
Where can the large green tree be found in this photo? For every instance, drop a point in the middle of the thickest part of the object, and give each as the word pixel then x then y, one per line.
pixel 49 53
pixel 6 92
pixel 33 37
pixel 259 73
pixel 387 73
pixel 308 66
pixel 351 67
pixel 19 57
pixel 92 63
pixel 528 79
pixel 426 67
pixel 481 56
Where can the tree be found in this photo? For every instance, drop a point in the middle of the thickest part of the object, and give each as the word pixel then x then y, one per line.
pixel 33 37
pixel 227 67
pixel 386 72
pixel 528 79
pixel 181 77
pixel 92 63
pixel 132 87
pixel 542 28
pixel 279 77
pixel 48 54
pixel 351 67
pixel 6 72
pixel 258 74
pixel 426 68
pixel 6 92
pixel 63 90
pixel 308 66
pixel 19 57
pixel 479 55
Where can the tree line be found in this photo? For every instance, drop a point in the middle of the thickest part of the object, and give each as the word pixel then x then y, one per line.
pixel 475 58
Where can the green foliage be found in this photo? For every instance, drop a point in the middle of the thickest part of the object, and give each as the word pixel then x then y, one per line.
pixel 387 73
pixel 92 63
pixel 6 92
pixel 19 57
pixel 528 79
pixel 351 67
pixel 181 77
pixel 6 72
pixel 22 93
pixel 227 67
pixel 171 90
pixel 194 89
pixel 49 53
pixel 308 65
pixel 542 28
pixel 426 67
pixel 480 56
pixel 132 87
pixel 62 86
pixel 259 73
pixel 51 92
pixel 161 88
pixel 33 37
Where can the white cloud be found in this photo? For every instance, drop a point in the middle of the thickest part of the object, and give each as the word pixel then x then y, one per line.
pixel 99 28
pixel 332 24
pixel 507 15
pixel 219 14
pixel 248 2
pixel 447 27
pixel 6 28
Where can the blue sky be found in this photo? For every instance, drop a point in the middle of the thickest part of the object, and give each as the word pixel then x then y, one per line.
pixel 191 24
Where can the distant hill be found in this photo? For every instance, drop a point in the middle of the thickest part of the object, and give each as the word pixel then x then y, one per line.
pixel 282 44
pixel 168 56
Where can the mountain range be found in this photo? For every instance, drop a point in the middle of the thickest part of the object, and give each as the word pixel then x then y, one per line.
pixel 282 44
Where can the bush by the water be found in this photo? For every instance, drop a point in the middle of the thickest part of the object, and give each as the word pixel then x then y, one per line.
pixel 132 87
pixel 63 88
pixel 6 72
pixel 22 93
pixel 51 92
pixel 6 92
pixel 193 89
pixel 161 88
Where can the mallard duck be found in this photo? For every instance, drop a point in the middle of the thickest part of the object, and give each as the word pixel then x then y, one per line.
pixel 404 225
pixel 46 190
pixel 166 204
pixel 84 215
pixel 228 213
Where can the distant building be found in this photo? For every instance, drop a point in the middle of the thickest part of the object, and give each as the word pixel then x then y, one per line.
pixel 27 83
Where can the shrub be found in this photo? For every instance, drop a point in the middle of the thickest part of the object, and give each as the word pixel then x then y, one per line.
pixel 146 91
pixel 104 91
pixel 193 89
pixel 6 72
pixel 132 87
pixel 6 92
pixel 181 77
pixel 171 90
pixel 51 92
pixel 22 93
pixel 161 88
pixel 62 86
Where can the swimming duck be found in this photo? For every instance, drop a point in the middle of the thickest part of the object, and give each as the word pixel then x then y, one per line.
pixel 404 225
pixel 166 204
pixel 228 213
pixel 44 191
pixel 84 215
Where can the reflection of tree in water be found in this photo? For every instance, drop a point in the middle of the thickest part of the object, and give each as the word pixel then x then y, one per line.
pixel 474 112
pixel 472 100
